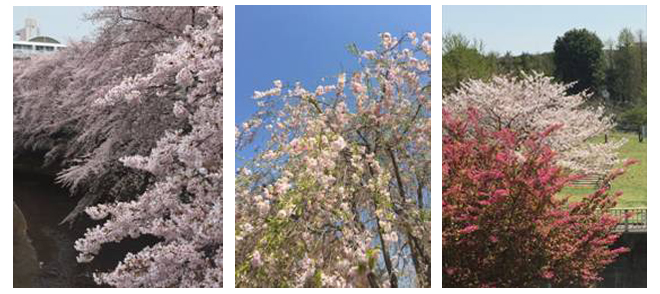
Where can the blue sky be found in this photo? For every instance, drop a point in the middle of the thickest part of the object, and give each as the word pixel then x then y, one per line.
pixel 60 22
pixel 534 29
pixel 307 43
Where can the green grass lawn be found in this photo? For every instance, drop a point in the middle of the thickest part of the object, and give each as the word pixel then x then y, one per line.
pixel 632 183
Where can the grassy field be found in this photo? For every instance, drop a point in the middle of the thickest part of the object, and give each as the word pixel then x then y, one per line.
pixel 632 183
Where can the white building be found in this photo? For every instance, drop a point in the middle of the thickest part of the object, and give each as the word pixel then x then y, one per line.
pixel 30 30
pixel 31 43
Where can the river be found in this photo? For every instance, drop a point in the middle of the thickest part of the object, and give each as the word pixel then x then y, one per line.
pixel 44 205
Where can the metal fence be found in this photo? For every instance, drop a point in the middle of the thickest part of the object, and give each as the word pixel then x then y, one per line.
pixel 636 222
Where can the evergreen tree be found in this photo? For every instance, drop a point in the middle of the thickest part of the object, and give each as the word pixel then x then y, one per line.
pixel 578 57
pixel 626 76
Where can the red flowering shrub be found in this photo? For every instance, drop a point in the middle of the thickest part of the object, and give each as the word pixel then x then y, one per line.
pixel 503 226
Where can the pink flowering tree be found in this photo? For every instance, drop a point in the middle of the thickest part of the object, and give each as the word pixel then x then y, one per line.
pixel 184 205
pixel 135 117
pixel 57 109
pixel 339 193
pixel 502 225
pixel 531 104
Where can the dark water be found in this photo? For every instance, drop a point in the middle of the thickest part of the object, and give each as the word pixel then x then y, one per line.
pixel 44 205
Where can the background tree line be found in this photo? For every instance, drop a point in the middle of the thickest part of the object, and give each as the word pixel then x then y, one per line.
pixel 614 72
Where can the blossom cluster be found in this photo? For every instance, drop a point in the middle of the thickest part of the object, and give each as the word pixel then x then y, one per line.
pixel 183 206
pixel 503 224
pixel 340 195
pixel 88 106
pixel 533 103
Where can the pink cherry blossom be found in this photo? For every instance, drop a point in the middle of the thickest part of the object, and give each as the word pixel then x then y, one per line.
pixel 352 180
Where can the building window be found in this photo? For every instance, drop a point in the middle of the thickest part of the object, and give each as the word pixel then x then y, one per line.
pixel 45 48
pixel 22 47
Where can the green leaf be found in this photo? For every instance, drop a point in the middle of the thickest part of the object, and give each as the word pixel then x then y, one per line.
pixel 318 277
pixel 353 49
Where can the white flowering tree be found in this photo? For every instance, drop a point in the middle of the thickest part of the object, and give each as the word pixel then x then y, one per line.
pixel 532 104
pixel 339 193
pixel 135 116
pixel 57 109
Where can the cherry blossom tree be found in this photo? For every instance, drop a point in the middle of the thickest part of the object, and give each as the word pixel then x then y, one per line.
pixel 153 111
pixel 56 107
pixel 502 225
pixel 533 103
pixel 338 195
